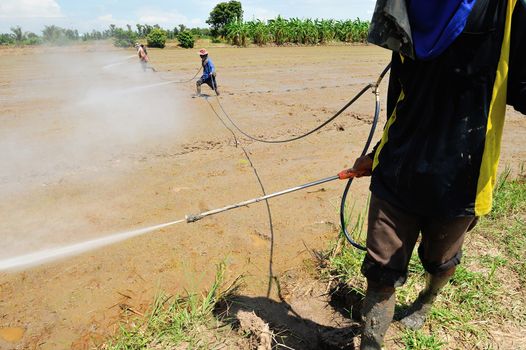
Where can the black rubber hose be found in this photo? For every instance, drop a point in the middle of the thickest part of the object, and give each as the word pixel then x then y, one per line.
pixel 364 152
pixel 336 115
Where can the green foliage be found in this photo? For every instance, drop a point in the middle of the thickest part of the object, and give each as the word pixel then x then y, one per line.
pixel 186 40
pixel 420 341
pixel 326 30
pixel 226 22
pixel 157 38
pixel 143 30
pixel 6 39
pixel 259 32
pixel 237 33
pixel 223 14
pixel 176 322
pixel 297 31
pixel 506 224
pixel 18 34
pixel 279 30
pixel 19 37
pixel 59 36
pixel 509 197
pixel 32 39
pixel 124 38
pixel 98 35
pixel 352 31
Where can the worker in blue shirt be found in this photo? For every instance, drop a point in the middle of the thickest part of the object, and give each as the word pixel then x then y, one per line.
pixel 209 73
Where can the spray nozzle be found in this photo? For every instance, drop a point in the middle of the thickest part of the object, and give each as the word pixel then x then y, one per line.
pixel 193 218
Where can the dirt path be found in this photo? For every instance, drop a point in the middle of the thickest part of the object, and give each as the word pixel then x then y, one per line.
pixel 87 157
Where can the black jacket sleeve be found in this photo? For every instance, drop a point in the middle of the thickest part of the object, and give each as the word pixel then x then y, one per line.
pixel 517 70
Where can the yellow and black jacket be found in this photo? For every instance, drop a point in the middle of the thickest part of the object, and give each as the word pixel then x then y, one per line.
pixel 439 153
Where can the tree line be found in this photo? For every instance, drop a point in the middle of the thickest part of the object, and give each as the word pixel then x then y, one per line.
pixel 122 37
pixel 281 31
pixel 226 23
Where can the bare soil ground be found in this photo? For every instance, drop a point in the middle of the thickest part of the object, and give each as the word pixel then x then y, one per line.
pixel 85 154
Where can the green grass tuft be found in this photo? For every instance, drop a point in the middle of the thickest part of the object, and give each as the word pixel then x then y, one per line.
pixel 420 341
pixel 177 321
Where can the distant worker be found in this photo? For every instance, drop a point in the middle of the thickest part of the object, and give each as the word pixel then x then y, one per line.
pixel 143 57
pixel 455 66
pixel 209 73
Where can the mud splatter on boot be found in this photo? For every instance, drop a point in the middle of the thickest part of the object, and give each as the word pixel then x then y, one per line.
pixel 378 310
pixel 415 317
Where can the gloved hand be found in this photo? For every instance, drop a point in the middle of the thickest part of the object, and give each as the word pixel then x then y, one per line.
pixel 363 166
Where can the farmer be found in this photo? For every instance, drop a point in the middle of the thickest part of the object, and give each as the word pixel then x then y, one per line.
pixel 456 65
pixel 209 73
pixel 143 57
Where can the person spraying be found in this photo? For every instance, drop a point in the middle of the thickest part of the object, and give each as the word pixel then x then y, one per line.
pixel 455 66
pixel 143 57
pixel 209 73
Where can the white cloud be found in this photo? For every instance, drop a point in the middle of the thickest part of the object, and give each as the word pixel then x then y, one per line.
pixel 166 18
pixel 30 9
pixel 107 19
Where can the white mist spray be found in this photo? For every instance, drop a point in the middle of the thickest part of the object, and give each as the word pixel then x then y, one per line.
pixel 118 63
pixel 32 259
pixel 71 131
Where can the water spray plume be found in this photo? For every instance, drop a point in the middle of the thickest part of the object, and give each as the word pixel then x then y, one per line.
pixel 57 253
pixel 145 87
pixel 118 63
pixel 47 255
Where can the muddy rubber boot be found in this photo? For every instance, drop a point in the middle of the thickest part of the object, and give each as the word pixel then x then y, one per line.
pixel 378 310
pixel 415 317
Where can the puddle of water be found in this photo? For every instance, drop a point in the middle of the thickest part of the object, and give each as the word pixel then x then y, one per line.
pixel 12 334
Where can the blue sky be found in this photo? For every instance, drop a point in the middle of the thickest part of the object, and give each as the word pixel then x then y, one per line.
pixel 86 15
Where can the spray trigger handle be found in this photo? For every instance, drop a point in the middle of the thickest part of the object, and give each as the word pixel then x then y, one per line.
pixel 347 174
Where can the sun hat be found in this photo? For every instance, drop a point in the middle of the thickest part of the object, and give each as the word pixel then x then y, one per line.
pixel 203 52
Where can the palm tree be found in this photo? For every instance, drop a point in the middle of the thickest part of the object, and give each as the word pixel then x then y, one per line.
pixel 18 34
pixel 51 33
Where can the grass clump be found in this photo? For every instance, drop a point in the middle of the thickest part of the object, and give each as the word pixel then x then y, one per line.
pixel 187 322
pixel 506 225
pixel 421 341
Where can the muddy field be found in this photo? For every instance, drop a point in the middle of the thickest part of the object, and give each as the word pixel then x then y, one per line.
pixel 85 152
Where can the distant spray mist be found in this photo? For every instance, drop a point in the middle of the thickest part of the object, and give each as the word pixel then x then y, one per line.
pixel 72 116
